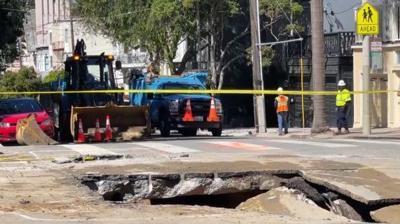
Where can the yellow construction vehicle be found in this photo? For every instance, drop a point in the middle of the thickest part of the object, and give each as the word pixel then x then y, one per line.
pixel 93 116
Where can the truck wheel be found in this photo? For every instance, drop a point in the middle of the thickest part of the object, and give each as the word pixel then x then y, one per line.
pixel 165 127
pixel 189 132
pixel 216 132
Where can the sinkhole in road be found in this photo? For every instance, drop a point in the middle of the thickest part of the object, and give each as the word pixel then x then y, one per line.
pixel 226 190
pixel 229 200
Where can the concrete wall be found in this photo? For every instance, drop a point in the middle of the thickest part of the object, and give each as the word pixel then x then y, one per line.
pixel 385 108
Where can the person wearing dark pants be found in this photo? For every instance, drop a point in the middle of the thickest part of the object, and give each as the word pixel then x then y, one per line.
pixel 281 105
pixel 343 101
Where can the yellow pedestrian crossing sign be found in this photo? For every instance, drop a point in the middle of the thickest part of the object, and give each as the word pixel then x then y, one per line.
pixel 367 20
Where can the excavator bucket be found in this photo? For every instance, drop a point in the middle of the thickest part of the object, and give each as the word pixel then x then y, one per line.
pixel 126 122
pixel 29 133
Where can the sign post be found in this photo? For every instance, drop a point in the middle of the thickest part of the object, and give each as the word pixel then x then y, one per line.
pixel 367 25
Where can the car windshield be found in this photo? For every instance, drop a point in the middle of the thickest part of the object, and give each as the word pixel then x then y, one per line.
pixel 176 86
pixel 19 106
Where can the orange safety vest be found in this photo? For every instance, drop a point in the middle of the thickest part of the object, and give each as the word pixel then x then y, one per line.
pixel 282 103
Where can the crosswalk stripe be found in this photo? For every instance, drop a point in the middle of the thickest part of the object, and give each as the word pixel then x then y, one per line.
pixel 322 144
pixel 86 149
pixel 165 147
pixel 380 142
pixel 243 146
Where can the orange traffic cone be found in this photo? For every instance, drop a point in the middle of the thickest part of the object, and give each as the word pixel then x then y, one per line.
pixel 108 133
pixel 188 116
pixel 212 116
pixel 97 133
pixel 81 135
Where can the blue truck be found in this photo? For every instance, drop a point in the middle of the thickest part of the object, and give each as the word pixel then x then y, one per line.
pixel 167 110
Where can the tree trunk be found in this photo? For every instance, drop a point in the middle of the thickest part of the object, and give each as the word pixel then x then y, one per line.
pixel 213 63
pixel 221 80
pixel 318 67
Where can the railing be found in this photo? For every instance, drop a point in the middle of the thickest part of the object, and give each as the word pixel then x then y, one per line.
pixel 336 44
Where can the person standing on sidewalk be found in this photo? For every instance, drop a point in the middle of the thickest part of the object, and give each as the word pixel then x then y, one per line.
pixel 343 100
pixel 282 108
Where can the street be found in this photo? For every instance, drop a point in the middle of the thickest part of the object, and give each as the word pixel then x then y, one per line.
pixel 228 111
pixel 333 149
pixel 363 170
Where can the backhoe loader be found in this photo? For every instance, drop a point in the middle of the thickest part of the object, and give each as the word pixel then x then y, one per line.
pixel 84 115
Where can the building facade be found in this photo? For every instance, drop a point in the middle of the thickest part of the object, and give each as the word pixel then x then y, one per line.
pixel 385 107
pixel 53 35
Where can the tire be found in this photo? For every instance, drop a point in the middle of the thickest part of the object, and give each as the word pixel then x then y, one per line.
pixel 189 132
pixel 216 132
pixel 165 126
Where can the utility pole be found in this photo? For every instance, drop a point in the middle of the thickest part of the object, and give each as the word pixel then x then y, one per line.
pixel 258 83
pixel 366 118
pixel 71 26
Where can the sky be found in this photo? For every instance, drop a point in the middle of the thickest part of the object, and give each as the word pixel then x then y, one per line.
pixel 344 13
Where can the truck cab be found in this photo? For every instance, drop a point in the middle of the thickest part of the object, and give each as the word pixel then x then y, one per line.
pixel 167 110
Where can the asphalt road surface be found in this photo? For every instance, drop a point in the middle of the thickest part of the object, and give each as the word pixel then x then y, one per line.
pixel 32 188
pixel 343 149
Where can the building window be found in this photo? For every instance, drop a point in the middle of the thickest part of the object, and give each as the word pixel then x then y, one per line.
pixel 46 63
pixel 397 18
pixel 398 57
pixel 59 10
pixel 64 9
pixel 66 35
pixel 48 11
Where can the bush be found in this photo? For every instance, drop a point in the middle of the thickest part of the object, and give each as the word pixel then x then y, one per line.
pixel 24 80
pixel 54 76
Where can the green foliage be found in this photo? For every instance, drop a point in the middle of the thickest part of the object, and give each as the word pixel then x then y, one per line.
pixel 12 15
pixel 282 20
pixel 219 26
pixel 24 80
pixel 267 54
pixel 155 25
pixel 53 76
pixel 281 17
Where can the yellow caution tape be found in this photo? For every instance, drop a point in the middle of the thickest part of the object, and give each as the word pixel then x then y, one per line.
pixel 206 91
pixel 89 158
pixel 15 158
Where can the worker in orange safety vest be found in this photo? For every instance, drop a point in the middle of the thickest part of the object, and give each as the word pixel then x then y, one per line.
pixel 282 108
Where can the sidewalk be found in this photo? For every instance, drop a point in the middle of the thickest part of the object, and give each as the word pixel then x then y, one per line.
pixel 355 133
pixel 300 133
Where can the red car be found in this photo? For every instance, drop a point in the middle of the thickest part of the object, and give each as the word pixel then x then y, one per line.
pixel 12 110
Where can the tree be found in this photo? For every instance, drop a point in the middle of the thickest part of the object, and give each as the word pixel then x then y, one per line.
pixel 318 70
pixel 24 80
pixel 12 14
pixel 222 25
pixel 281 18
pixel 158 26
pixel 225 24
pixel 53 76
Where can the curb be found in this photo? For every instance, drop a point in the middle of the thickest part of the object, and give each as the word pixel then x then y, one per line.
pixel 322 136
pixel 376 137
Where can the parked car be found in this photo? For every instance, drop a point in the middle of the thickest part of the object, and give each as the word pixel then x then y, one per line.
pixel 12 110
